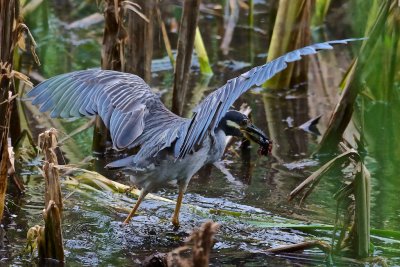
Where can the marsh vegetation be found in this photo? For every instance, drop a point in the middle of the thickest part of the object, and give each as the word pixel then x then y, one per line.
pixel 326 195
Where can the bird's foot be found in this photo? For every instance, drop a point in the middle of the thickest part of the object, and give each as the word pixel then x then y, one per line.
pixel 175 222
pixel 127 220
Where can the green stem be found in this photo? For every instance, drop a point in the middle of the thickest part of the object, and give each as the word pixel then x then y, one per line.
pixel 201 51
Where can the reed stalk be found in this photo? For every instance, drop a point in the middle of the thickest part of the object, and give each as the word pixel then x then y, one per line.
pixel 291 31
pixel 352 83
pixel 9 20
pixel 251 14
pixel 139 40
pixel 124 50
pixel 362 211
pixel 321 9
pixel 112 54
pixel 48 144
pixel 165 38
pixel 187 32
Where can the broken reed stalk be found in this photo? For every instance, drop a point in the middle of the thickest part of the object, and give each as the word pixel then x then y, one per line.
pixel 201 242
pixel 291 31
pixel 52 185
pixel 48 143
pixel 187 32
pixel 50 244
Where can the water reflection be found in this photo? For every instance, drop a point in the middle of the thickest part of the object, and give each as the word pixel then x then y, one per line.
pixel 283 113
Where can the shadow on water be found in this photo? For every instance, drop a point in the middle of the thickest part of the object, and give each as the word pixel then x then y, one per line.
pixel 250 185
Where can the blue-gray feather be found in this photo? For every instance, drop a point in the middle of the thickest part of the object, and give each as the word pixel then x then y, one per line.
pixel 136 117
pixel 208 114
pixel 124 102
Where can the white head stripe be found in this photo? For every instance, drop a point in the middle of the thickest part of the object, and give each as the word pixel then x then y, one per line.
pixel 232 124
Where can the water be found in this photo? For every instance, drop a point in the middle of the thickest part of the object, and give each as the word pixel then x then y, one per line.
pixel 255 187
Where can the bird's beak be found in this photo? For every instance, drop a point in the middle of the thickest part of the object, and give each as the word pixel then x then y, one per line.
pixel 255 134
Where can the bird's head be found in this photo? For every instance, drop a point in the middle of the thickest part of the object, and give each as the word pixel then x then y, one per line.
pixel 238 124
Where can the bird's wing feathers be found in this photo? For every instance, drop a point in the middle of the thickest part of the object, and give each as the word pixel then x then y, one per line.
pixel 211 110
pixel 136 117
pixel 132 113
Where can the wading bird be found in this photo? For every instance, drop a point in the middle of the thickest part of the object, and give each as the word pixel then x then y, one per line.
pixel 171 148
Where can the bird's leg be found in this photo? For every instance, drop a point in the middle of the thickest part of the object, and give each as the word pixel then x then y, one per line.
pixel 143 193
pixel 182 189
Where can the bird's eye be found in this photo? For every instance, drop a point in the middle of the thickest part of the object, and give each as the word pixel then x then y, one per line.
pixel 245 122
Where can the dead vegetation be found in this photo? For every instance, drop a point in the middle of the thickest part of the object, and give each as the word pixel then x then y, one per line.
pixel 198 245
pixel 48 239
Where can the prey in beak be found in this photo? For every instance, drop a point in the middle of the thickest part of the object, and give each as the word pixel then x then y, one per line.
pixel 253 133
pixel 238 124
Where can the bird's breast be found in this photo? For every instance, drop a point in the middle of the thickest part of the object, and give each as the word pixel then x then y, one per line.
pixel 217 146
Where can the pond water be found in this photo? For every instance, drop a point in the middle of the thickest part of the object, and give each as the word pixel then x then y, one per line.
pixel 254 189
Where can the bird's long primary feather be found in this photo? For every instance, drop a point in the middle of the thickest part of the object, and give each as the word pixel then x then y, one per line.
pixel 208 114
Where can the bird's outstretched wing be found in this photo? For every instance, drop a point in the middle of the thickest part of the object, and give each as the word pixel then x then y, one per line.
pixel 212 109
pixel 134 115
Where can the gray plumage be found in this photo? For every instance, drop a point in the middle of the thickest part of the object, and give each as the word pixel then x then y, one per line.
pixel 136 117
pixel 172 148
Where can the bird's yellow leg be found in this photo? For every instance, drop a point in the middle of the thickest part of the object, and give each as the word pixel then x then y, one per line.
pixel 137 204
pixel 175 218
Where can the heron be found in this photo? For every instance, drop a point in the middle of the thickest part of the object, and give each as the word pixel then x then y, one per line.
pixel 170 148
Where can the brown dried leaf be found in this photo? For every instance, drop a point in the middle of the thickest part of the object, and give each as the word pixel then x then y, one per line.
pixel 134 7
